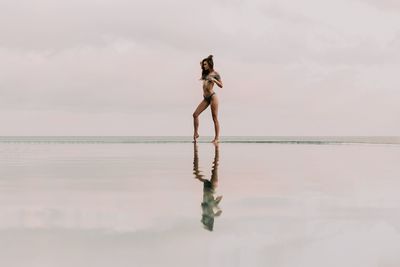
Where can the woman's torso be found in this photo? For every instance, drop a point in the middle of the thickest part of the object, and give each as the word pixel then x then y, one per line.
pixel 208 85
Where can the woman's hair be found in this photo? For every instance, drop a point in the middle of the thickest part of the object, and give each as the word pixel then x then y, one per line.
pixel 210 62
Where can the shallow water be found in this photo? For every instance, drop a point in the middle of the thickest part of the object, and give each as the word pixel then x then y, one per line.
pixel 152 204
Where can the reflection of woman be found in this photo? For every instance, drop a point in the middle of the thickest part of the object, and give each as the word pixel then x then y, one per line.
pixel 210 203
pixel 209 77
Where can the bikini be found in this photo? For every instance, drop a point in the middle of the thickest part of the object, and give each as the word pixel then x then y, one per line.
pixel 208 98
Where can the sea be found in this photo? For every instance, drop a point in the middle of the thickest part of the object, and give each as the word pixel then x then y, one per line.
pixel 165 201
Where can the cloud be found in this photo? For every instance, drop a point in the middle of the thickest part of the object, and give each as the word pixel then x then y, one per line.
pixel 301 60
pixel 385 5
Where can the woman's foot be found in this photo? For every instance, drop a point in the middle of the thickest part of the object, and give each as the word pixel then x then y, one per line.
pixel 215 141
pixel 195 136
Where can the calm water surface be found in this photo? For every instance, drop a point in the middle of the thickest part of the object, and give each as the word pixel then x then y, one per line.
pixel 180 204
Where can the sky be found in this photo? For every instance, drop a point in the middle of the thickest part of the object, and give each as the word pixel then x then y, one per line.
pixel 128 67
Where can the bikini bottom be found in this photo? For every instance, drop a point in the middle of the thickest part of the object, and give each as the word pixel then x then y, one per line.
pixel 208 98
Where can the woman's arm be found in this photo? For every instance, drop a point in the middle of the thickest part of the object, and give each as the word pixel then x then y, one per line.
pixel 217 80
pixel 219 83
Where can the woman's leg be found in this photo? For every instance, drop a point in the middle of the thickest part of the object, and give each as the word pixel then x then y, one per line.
pixel 200 108
pixel 214 112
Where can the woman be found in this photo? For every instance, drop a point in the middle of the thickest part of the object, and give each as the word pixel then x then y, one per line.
pixel 209 77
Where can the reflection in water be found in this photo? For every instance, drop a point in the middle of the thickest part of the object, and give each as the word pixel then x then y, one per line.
pixel 210 202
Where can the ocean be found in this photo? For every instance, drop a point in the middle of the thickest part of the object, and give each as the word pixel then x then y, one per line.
pixel 165 201
pixel 188 139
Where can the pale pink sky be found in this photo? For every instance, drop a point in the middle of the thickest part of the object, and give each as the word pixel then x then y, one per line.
pixel 121 67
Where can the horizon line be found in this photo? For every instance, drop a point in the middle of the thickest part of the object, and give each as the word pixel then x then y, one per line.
pixel 395 140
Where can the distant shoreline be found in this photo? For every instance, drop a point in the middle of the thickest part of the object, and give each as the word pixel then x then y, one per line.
pixel 205 139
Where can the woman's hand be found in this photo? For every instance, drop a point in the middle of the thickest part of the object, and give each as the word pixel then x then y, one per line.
pixel 216 81
pixel 211 79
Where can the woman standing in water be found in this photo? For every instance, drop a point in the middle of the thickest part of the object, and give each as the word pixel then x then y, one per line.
pixel 209 76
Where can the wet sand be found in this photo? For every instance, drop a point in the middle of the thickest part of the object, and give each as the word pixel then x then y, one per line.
pixel 153 204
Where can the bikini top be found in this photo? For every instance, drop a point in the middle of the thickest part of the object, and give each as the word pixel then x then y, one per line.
pixel 216 76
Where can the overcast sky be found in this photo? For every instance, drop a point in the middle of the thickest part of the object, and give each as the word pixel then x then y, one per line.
pixel 128 67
